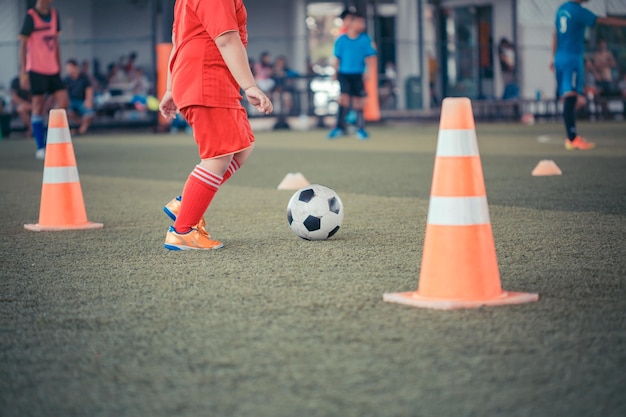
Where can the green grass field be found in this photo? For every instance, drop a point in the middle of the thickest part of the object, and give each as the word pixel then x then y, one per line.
pixel 108 323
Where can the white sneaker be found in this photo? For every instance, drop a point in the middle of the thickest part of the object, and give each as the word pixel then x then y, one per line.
pixel 41 153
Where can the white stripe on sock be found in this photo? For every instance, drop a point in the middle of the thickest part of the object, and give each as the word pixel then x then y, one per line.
pixel 207 177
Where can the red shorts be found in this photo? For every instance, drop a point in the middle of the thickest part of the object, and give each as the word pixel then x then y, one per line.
pixel 219 131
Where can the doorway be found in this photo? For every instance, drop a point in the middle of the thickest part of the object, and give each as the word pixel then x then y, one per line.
pixel 466 35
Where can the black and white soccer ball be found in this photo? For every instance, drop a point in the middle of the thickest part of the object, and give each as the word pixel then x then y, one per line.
pixel 315 212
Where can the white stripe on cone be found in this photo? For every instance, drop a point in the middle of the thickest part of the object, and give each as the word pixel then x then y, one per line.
pixel 60 175
pixel 58 135
pixel 457 143
pixel 458 211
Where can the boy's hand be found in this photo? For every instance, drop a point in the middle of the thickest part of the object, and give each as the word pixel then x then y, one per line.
pixel 259 100
pixel 167 106
pixel 25 82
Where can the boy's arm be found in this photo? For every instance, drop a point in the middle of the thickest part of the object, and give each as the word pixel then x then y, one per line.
pixel 167 107
pixel 611 21
pixel 58 34
pixel 236 58
pixel 89 97
pixel 58 57
pixel 25 32
pixel 169 63
pixel 23 73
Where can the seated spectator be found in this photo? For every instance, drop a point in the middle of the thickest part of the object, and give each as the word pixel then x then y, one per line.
pixel 80 91
pixel 21 101
pixel 283 87
pixel 5 121
pixel 129 63
pixel 116 75
pixel 506 55
pixel 622 87
pixel 141 85
pixel 85 70
pixel 604 63
pixel 263 73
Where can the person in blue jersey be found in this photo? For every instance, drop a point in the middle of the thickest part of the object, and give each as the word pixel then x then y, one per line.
pixel 353 50
pixel 568 47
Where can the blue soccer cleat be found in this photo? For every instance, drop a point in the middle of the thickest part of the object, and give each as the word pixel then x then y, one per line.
pixel 335 133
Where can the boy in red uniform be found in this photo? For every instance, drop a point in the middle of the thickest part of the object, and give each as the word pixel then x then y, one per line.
pixel 208 67
pixel 40 65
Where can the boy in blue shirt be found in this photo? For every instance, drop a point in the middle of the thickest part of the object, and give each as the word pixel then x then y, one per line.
pixel 568 46
pixel 353 50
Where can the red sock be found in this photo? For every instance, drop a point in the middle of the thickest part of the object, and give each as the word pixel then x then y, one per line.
pixel 232 168
pixel 230 171
pixel 200 188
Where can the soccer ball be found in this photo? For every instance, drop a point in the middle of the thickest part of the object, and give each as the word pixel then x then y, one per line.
pixel 315 212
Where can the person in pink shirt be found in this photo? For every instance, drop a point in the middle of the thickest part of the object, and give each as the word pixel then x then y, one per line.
pixel 40 65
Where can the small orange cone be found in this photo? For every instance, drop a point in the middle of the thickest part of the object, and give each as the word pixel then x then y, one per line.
pixel 459 264
pixel 293 181
pixel 546 168
pixel 62 206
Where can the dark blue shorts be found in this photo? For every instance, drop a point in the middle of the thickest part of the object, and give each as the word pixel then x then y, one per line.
pixel 41 84
pixel 351 84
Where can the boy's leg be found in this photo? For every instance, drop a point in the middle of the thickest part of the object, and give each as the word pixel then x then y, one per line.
pixel 569 116
pixel 359 103
pixel 61 97
pixel 173 207
pixel 344 104
pixel 565 77
pixel 361 133
pixel 36 121
pixel 200 188
pixel 237 162
pixel 340 126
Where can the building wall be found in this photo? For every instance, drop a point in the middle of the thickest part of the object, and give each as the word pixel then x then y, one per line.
pixel 9 27
pixel 121 27
pixel 76 29
pixel 270 27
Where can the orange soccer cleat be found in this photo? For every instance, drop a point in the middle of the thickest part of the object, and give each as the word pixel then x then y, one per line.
pixel 192 240
pixel 579 143
pixel 173 207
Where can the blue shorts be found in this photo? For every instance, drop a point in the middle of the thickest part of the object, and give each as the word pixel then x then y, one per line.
pixel 570 74
pixel 78 106
pixel 351 84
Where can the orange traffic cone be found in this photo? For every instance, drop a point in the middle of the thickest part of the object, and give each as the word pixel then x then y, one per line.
pixel 371 111
pixel 546 167
pixel 62 206
pixel 459 265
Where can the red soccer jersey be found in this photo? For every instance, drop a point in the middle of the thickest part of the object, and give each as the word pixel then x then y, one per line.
pixel 42 44
pixel 199 74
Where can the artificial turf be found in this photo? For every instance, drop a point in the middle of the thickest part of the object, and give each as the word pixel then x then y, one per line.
pixel 108 323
